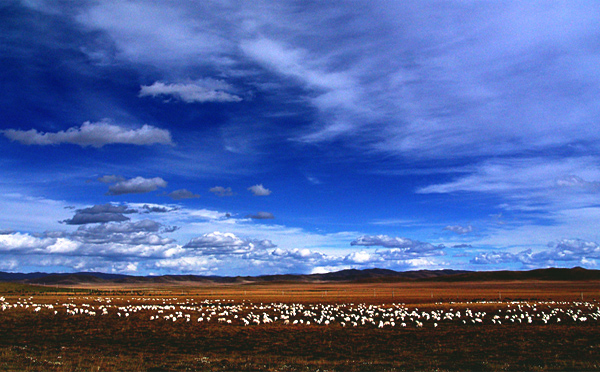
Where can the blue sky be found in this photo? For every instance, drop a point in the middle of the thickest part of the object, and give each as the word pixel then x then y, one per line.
pixel 248 138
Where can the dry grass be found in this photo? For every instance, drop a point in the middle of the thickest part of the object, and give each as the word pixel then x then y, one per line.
pixel 406 292
pixel 45 342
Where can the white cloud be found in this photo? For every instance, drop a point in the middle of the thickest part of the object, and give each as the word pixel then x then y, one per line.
pixel 156 208
pixel 522 174
pixel 361 257
pixel 565 252
pixel 259 190
pixel 305 255
pixel 588 262
pixel 139 245
pixel 503 79
pixel 63 246
pixel 217 243
pixel 461 230
pixel 206 90
pixel 93 134
pixel 110 241
pixel 568 250
pixel 187 264
pixel 24 242
pixel 205 214
pixel 137 185
pixel 404 246
pixel 336 94
pixel 329 269
pixel 143 232
pixel 494 258
pixel 295 62
pixel 159 34
pixel 540 199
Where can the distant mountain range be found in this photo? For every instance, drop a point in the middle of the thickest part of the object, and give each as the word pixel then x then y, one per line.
pixel 352 275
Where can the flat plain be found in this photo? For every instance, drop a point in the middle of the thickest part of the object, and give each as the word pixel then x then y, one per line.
pixel 495 325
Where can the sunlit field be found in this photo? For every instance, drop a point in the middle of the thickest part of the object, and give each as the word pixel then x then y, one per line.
pixel 302 327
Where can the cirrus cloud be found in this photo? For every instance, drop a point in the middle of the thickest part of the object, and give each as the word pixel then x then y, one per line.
pixel 206 90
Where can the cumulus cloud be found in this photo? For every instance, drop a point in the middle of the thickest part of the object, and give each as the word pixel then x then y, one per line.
pixel 153 208
pixel 110 245
pixel 100 214
pixel 262 216
pixel 361 257
pixel 217 243
pixel 461 230
pixel 563 252
pixel 398 249
pixel 221 191
pixel 137 185
pixel 494 258
pixel 26 243
pixel 182 194
pixel 188 264
pixel 398 254
pixel 404 244
pixel 568 250
pixel 143 232
pixel 109 241
pixel 85 218
pixel 297 260
pixel 205 90
pixel 311 261
pixel 93 134
pixel 259 190
pixel 206 214
pixel 299 254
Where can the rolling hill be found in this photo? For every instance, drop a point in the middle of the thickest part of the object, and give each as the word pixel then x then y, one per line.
pixel 351 275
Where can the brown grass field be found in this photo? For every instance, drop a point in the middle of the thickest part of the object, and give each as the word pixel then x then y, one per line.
pixel 42 340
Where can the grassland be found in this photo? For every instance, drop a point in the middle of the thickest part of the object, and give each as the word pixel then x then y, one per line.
pixel 43 340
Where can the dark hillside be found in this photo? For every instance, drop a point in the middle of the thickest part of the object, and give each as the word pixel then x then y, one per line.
pixel 343 276
pixel 551 274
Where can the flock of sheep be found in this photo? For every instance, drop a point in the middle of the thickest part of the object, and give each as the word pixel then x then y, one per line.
pixel 297 314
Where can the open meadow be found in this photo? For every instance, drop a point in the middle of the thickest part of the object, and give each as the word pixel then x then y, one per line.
pixel 514 325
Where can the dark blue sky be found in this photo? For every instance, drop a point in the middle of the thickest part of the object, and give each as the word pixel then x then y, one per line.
pixel 228 138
